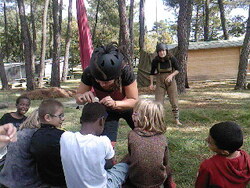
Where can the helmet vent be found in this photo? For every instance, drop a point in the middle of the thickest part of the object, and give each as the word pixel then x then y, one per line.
pixel 112 62
pixel 116 56
pixel 102 64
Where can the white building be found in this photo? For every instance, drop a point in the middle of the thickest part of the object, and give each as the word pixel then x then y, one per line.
pixel 16 71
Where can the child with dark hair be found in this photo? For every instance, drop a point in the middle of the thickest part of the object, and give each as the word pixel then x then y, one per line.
pixel 148 148
pixel 84 153
pixel 18 117
pixel 45 143
pixel 230 167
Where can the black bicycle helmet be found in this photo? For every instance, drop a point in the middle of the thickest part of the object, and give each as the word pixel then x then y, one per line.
pixel 160 47
pixel 106 63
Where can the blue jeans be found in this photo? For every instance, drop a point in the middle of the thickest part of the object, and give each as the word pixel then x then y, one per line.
pixel 117 175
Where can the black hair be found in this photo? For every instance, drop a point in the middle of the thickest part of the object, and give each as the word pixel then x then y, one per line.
pixel 48 106
pixel 92 112
pixel 227 136
pixel 20 98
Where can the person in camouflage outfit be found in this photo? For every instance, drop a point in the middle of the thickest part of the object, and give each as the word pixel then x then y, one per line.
pixel 165 67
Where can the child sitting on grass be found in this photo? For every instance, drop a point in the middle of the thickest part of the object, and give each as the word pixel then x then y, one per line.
pixel 20 169
pixel 84 153
pixel 230 167
pixel 18 117
pixel 45 143
pixel 148 148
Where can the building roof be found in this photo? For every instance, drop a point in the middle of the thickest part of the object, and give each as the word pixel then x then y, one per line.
pixel 212 44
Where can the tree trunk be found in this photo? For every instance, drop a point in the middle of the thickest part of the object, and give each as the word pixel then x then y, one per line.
pixel 96 20
pixel 183 30
pixel 131 28
pixel 244 55
pixel 32 17
pixel 43 45
pixel 196 23
pixel 55 73
pixel 50 32
pixel 67 46
pixel 19 36
pixel 223 19
pixel 124 29
pixel 3 76
pixel 28 47
pixel 60 16
pixel 6 32
pixel 206 24
pixel 142 25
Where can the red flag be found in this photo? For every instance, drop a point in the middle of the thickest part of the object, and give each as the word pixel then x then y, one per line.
pixel 85 41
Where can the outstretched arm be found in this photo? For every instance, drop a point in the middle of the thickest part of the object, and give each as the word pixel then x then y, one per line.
pixel 151 86
pixel 202 180
pixel 7 134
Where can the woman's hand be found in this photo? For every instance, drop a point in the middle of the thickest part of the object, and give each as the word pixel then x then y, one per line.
pixel 151 87
pixel 7 134
pixel 109 102
pixel 85 97
pixel 169 78
pixel 84 94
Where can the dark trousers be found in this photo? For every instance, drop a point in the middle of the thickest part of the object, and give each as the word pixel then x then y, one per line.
pixel 112 122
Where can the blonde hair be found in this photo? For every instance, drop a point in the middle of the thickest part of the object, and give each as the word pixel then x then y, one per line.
pixel 150 116
pixel 32 121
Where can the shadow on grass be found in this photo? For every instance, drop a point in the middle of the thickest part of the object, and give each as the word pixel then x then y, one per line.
pixel 202 106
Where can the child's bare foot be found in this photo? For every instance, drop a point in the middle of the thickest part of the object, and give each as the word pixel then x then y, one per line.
pixel 178 123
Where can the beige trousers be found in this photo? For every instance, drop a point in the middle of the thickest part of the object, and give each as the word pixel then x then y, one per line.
pixel 161 87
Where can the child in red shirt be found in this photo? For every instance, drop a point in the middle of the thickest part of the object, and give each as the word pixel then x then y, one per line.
pixel 230 167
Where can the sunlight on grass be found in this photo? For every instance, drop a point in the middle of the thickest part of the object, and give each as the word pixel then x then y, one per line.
pixel 231 95
pixel 204 104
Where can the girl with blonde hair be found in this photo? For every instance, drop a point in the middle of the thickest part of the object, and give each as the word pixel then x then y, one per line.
pixel 31 122
pixel 19 167
pixel 148 148
pixel 149 116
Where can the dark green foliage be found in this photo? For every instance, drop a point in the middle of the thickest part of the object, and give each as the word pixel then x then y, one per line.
pixel 236 26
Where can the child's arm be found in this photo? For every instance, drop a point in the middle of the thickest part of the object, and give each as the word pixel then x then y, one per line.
pixel 169 181
pixel 166 156
pixel 202 180
pixel 109 158
pixel 7 134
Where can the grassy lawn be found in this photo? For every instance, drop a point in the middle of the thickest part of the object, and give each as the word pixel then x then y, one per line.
pixel 204 104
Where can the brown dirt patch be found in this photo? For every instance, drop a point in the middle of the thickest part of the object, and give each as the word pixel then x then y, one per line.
pixel 46 93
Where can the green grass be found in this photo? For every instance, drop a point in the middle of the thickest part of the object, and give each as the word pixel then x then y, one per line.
pixel 205 104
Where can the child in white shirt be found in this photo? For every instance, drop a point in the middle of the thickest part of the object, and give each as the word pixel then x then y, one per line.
pixel 84 153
